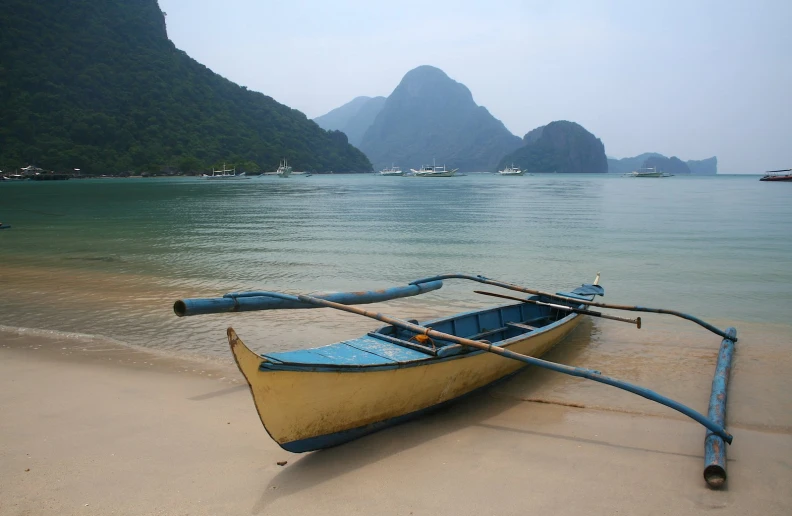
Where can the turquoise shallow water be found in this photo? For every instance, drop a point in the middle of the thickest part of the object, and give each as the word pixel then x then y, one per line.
pixel 108 258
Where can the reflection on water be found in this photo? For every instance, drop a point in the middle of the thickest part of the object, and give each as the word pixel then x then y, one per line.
pixel 109 257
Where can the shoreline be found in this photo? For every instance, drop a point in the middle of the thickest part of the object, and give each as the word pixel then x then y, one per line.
pixel 98 429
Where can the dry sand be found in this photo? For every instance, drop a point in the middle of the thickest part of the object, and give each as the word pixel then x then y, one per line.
pixel 99 429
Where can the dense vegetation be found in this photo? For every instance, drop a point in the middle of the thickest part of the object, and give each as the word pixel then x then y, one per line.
pixel 561 146
pixel 431 116
pixel 353 118
pixel 97 85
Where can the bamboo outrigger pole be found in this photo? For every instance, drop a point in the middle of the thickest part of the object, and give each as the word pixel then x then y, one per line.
pixel 578 301
pixel 564 308
pixel 714 427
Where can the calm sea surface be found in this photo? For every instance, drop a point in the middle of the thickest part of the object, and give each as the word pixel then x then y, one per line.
pixel 107 258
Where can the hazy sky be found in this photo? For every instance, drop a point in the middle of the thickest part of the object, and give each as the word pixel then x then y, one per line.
pixel 686 78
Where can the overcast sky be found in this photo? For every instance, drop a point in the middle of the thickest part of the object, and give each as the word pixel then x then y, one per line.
pixel 686 78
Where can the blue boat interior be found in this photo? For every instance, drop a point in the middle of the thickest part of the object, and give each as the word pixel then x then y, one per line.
pixel 391 346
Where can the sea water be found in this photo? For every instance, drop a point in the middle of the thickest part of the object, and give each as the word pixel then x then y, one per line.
pixel 106 258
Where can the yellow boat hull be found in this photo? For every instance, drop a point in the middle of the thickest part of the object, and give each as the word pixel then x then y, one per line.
pixel 312 408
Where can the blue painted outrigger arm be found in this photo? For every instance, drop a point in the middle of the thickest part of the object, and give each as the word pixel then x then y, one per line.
pixel 482 279
pixel 251 301
pixel 714 449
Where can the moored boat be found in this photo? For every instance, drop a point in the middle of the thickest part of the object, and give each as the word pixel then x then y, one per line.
pixel 434 170
pixel 315 398
pixel 511 171
pixel 225 174
pixel 320 397
pixel 392 171
pixel 777 175
pixel 647 172
pixel 284 170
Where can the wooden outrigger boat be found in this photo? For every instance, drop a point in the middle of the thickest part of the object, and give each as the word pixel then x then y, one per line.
pixel 321 397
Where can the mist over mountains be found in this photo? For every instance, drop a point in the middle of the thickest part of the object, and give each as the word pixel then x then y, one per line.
pixel 117 95
pixel 353 118
pixel 429 116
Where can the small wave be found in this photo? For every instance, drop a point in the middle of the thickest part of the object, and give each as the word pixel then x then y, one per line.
pixel 57 334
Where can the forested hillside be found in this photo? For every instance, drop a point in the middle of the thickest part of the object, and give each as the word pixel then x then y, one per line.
pixel 97 85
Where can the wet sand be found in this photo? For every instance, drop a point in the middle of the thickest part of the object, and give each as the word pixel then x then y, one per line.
pixel 96 428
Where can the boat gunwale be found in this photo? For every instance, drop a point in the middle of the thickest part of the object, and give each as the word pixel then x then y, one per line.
pixel 273 365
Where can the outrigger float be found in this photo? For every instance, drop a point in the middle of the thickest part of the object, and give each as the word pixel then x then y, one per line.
pixel 321 397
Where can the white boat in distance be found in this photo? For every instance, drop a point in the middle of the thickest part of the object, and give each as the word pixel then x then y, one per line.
pixel 647 172
pixel 511 171
pixel 284 170
pixel 392 171
pixel 226 173
pixel 433 171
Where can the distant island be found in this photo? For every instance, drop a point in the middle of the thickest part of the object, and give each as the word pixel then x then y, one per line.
pixel 98 86
pixel 672 165
pixel 562 147
pixel 429 116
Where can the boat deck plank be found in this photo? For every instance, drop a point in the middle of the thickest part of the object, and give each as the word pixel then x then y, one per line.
pixel 387 350
pixel 364 351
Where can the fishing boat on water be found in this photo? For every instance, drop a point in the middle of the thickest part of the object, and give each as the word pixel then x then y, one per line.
pixel 320 397
pixel 511 171
pixel 777 175
pixel 647 172
pixel 434 170
pixel 225 174
pixel 392 171
pixel 284 170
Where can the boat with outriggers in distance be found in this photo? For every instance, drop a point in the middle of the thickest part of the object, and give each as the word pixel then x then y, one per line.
pixel 777 175
pixel 320 397
pixel 225 174
pixel 511 171
pixel 392 171
pixel 647 172
pixel 434 170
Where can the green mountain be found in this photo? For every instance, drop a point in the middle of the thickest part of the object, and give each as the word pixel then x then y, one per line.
pixel 430 116
pixel 561 146
pixel 672 165
pixel 97 85
pixel 353 118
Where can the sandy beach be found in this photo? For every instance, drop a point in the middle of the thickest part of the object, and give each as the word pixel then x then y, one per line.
pixel 93 428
